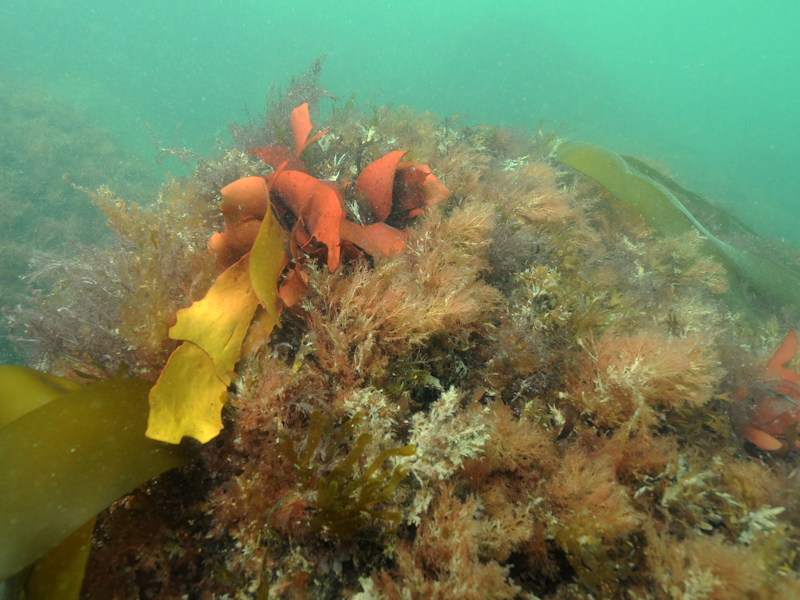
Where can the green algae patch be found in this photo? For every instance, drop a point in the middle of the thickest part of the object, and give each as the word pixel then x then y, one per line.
pixel 663 205
pixel 69 459
pixel 346 500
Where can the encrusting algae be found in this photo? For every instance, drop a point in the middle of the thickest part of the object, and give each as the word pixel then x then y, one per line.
pixel 416 359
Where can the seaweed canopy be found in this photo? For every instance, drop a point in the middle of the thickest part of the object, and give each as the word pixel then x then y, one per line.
pixel 490 409
pixel 187 399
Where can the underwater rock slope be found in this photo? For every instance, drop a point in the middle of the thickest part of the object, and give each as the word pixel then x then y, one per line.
pixel 433 362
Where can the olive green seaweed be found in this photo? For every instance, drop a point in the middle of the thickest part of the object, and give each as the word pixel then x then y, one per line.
pixel 24 390
pixel 655 197
pixel 59 573
pixel 345 500
pixel 68 459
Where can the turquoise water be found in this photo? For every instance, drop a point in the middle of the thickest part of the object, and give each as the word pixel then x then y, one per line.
pixel 707 89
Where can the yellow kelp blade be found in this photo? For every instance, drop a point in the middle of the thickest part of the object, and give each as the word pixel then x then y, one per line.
pixel 59 573
pixel 267 260
pixel 218 323
pixel 187 399
pixel 23 390
pixel 67 460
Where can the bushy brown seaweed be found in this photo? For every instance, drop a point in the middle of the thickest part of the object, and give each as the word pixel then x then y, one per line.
pixel 110 309
pixel 46 143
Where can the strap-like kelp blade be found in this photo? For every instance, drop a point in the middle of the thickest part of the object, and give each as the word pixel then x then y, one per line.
pixel 717 220
pixel 59 573
pixel 24 390
pixel 654 199
pixel 67 460
pixel 640 193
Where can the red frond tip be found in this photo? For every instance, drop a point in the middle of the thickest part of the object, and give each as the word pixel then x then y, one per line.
pixel 788 381
pixel 301 128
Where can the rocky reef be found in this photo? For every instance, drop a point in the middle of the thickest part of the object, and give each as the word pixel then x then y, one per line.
pixel 423 359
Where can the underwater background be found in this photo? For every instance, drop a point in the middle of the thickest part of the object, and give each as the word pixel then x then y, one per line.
pixel 707 89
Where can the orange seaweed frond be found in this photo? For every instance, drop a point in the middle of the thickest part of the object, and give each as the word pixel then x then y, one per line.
pixel 316 204
pixel 376 181
pixel 377 239
pixel 788 381
pixel 301 128
pixel 774 421
pixel 417 188
pixel 244 204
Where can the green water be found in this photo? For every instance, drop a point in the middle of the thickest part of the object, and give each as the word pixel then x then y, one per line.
pixel 708 88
